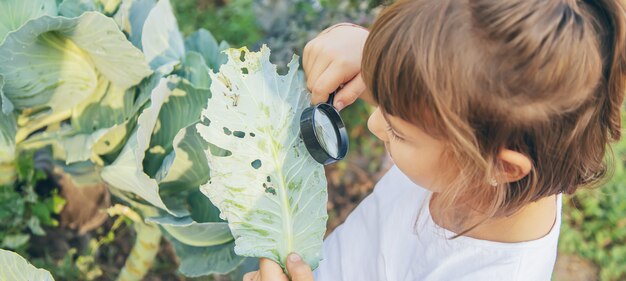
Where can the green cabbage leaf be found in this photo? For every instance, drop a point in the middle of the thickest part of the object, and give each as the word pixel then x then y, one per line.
pixel 269 189
pixel 161 40
pixel 8 129
pixel 13 14
pixel 52 64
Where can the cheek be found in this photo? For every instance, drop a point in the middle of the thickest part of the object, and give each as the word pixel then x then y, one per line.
pixel 421 165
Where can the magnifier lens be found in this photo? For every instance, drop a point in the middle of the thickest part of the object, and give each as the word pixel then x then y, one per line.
pixel 326 133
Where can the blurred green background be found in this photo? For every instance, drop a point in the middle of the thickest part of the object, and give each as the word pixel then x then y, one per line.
pixel 593 235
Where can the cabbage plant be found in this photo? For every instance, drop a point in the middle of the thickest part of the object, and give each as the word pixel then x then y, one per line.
pixel 123 97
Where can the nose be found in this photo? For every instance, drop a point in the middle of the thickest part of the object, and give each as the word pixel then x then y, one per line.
pixel 377 125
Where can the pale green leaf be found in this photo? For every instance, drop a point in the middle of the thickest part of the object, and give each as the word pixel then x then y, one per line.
pixel 181 108
pixel 112 54
pixel 126 172
pixel 248 265
pixel 60 63
pixel 5 104
pixel 8 128
pixel 193 233
pixel 202 210
pixel 82 174
pixel 15 241
pixel 98 126
pixel 163 151
pixel 196 71
pixel 109 6
pixel 34 224
pixel 270 190
pixel 138 13
pixel 122 16
pixel 184 169
pixel 105 121
pixel 75 8
pixel 222 59
pixel 8 174
pixel 201 261
pixel 79 147
pixel 14 13
pixel 203 42
pixel 14 267
pixel 161 40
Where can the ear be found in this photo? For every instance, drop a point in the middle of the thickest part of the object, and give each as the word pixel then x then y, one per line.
pixel 516 165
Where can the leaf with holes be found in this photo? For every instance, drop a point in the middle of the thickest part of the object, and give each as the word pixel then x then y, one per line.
pixel 269 189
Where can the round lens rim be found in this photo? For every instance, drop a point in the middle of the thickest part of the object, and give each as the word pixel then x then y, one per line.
pixel 310 137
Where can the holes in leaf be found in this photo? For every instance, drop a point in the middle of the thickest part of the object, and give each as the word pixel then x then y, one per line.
pixel 256 164
pixel 217 151
pixel 205 121
pixel 239 134
pixel 244 70
pixel 242 56
pixel 253 135
pixel 269 189
pixel 269 179
pixel 107 143
pixel 227 131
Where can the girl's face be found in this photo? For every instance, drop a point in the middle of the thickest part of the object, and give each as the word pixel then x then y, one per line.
pixel 415 153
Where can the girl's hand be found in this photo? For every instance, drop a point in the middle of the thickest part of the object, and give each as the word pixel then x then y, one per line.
pixel 332 59
pixel 271 271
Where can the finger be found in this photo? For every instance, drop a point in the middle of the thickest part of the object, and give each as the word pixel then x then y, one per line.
pixel 271 271
pixel 250 276
pixel 306 56
pixel 350 92
pixel 298 269
pixel 317 68
pixel 329 81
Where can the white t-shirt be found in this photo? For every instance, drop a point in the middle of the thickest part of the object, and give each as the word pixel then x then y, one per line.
pixel 382 239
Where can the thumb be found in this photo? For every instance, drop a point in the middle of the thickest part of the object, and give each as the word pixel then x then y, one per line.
pixel 298 269
pixel 350 92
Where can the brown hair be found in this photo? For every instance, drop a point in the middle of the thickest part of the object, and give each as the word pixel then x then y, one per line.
pixel 542 77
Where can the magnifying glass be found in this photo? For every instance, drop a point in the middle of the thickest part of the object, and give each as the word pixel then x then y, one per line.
pixel 324 133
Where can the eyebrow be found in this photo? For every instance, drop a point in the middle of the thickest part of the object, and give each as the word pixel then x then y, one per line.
pixel 392 127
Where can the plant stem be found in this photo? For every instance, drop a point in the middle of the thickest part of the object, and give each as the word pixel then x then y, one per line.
pixel 143 253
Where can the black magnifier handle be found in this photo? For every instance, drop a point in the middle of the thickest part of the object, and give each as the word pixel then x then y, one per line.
pixel 331 98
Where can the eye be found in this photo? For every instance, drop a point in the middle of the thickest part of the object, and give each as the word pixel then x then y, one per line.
pixel 393 134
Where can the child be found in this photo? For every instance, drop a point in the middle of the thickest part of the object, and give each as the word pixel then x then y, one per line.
pixel 490 110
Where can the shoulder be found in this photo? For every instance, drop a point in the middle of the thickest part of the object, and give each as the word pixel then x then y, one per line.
pixel 477 259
